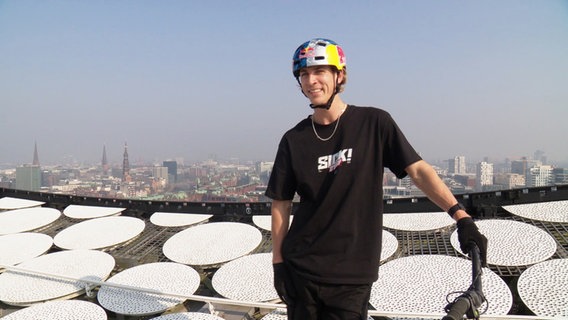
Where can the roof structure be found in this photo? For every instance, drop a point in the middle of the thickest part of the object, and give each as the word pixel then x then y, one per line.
pixel 229 246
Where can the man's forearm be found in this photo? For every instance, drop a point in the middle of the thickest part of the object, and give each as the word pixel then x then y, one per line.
pixel 280 212
pixel 427 180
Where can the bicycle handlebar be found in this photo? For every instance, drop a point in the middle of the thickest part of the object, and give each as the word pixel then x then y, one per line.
pixel 468 302
pixel 458 308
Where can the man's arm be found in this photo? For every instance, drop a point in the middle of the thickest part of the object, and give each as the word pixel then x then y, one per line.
pixel 280 212
pixel 427 180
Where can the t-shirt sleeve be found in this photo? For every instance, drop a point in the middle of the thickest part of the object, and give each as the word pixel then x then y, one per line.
pixel 282 182
pixel 398 152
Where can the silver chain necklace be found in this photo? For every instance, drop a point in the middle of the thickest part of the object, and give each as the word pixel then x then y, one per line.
pixel 334 129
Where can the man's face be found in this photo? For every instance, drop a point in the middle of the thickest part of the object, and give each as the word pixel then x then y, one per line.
pixel 318 83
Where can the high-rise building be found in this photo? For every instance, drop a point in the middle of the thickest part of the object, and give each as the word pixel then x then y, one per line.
pixel 457 165
pixel 521 166
pixel 28 177
pixel 172 170
pixel 159 173
pixel 104 163
pixel 560 175
pixel 539 156
pixel 510 180
pixel 484 175
pixel 539 176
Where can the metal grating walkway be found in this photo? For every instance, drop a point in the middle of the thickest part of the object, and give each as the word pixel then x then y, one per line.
pixel 147 247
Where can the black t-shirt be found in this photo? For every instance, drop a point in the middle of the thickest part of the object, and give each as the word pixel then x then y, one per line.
pixel 335 236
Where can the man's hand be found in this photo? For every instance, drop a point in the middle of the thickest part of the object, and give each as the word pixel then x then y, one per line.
pixel 468 234
pixel 281 282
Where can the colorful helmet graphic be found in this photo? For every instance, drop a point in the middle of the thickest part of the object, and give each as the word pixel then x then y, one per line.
pixel 318 52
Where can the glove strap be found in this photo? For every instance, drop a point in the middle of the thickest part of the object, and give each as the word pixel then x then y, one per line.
pixel 453 209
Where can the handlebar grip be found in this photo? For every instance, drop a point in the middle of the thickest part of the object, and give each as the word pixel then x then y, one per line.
pixel 458 309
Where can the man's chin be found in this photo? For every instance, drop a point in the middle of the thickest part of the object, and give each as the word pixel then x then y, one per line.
pixel 317 102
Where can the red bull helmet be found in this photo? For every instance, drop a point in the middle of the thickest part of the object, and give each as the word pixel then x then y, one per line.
pixel 318 52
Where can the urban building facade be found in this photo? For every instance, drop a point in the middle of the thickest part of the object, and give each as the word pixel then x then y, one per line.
pixel 484 176
pixel 457 165
pixel 28 177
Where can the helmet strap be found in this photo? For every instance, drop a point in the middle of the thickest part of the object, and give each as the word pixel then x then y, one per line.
pixel 324 106
pixel 329 102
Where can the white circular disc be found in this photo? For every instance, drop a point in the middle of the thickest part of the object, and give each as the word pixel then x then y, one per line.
pixel 248 278
pixel 171 219
pixel 24 288
pixel 188 316
pixel 389 245
pixel 543 288
pixel 551 211
pixel 429 278
pixel 418 221
pixel 89 212
pixel 60 310
pixel 18 247
pixel 21 220
pixel 212 243
pixel 512 243
pixel 265 222
pixel 167 277
pixel 9 203
pixel 99 233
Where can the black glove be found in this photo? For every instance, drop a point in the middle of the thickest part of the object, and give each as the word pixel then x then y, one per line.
pixel 282 281
pixel 468 234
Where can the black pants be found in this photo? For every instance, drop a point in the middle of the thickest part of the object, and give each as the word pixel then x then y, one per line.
pixel 321 301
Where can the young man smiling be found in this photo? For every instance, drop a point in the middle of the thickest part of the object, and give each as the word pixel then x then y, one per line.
pixel 326 261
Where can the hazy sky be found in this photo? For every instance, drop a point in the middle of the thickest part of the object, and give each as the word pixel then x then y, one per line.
pixel 189 79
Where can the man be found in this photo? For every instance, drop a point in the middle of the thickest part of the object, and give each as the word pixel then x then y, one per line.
pixel 326 261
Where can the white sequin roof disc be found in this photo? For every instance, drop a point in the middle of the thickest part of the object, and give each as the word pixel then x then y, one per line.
pixel 171 219
pixel 553 211
pixel 60 310
pixel 9 203
pixel 420 283
pixel 543 288
pixel 188 316
pixel 248 278
pixel 99 233
pixel 21 220
pixel 24 288
pixel 212 243
pixel 513 243
pixel 89 212
pixel 389 245
pixel 166 277
pixel 419 221
pixel 265 222
pixel 18 247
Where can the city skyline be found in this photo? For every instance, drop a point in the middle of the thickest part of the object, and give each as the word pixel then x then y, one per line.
pixel 118 159
pixel 188 80
pixel 246 181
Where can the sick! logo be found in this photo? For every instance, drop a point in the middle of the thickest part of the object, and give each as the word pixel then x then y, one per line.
pixel 333 161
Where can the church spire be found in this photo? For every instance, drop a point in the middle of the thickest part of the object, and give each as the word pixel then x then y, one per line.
pixel 125 165
pixel 36 157
pixel 105 161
